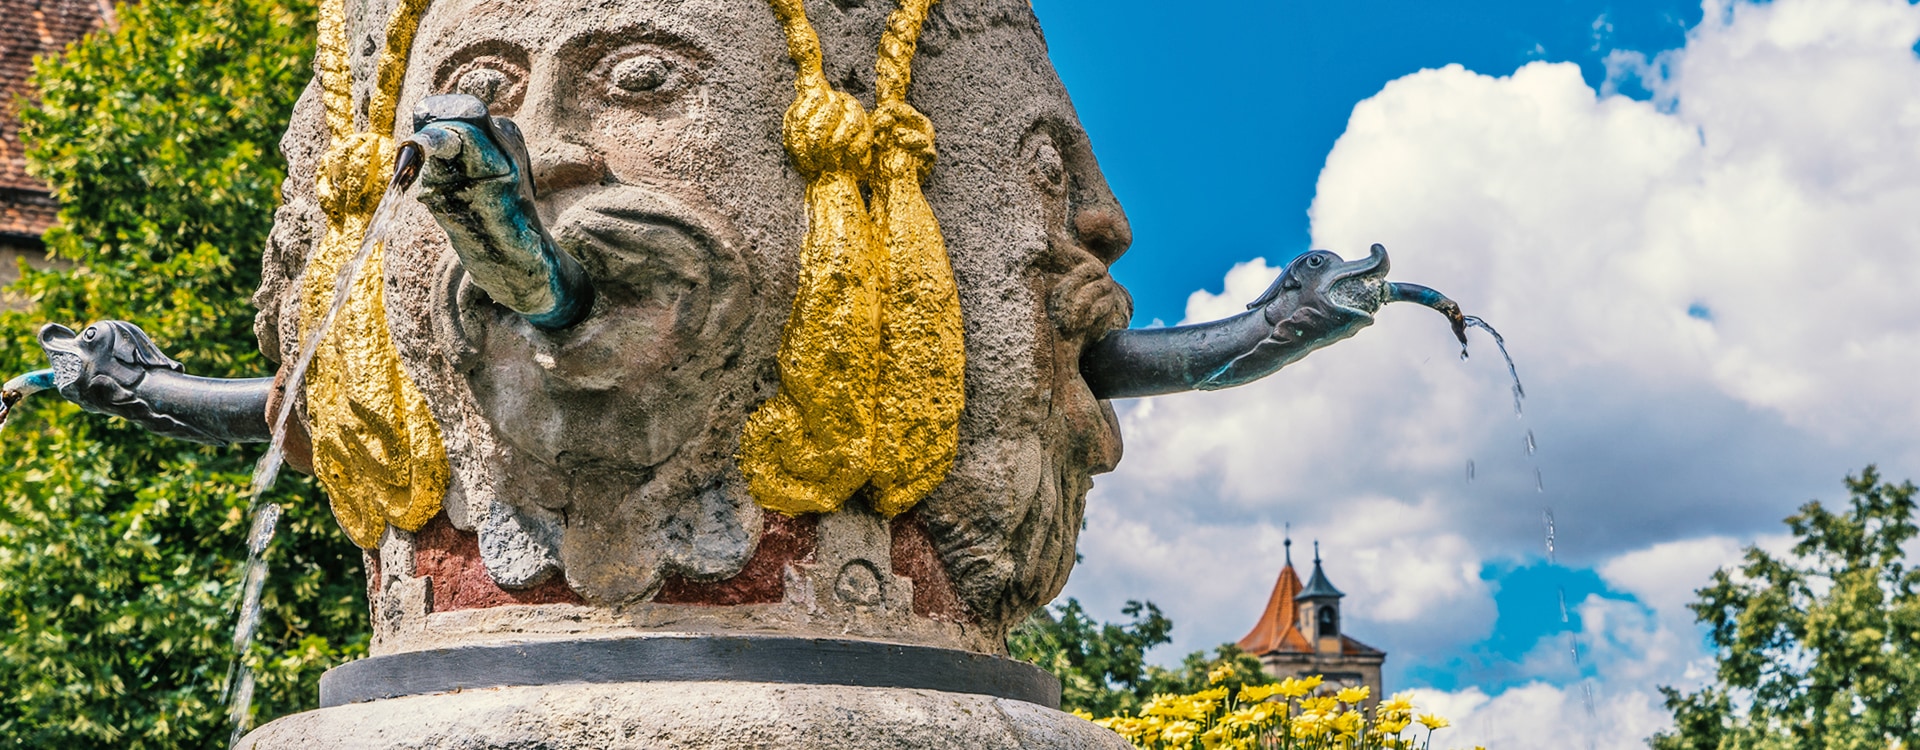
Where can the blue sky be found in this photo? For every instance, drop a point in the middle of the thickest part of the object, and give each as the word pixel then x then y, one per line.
pixel 1694 224
pixel 1290 73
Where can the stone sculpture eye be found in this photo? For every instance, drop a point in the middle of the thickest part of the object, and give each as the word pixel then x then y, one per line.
pixel 499 79
pixel 645 74
pixel 642 74
pixel 1316 261
pixel 484 84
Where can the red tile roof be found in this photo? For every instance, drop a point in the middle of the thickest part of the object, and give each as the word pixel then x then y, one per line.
pixel 31 28
pixel 26 213
pixel 1276 630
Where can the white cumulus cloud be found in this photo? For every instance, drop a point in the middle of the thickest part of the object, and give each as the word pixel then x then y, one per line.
pixel 1710 296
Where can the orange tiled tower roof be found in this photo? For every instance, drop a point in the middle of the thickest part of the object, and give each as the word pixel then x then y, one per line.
pixel 1277 629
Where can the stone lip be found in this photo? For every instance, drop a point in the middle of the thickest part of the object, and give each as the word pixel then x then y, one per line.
pixel 674 715
pixel 688 658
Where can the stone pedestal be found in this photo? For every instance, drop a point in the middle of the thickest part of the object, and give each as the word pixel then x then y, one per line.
pixel 677 714
pixel 686 690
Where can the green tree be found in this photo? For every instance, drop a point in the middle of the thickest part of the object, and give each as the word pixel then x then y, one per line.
pixel 1819 650
pixel 1102 666
pixel 120 552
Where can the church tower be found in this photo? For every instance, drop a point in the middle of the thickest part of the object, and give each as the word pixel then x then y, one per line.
pixel 1299 633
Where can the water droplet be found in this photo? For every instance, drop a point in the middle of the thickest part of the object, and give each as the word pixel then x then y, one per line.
pixel 1563 605
pixel 1539 484
pixel 1530 444
pixel 1546 516
pixel 1469 469
pixel 266 521
pixel 267 470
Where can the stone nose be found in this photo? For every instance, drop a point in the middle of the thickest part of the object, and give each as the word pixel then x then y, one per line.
pixel 559 165
pixel 1104 231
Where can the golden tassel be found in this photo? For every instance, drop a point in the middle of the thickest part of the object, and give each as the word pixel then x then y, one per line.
pixel 872 357
pixel 376 448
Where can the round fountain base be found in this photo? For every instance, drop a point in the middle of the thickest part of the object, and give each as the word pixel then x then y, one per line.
pixel 687 714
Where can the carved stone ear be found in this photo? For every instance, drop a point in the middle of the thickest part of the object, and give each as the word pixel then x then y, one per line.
pixel 132 346
pixel 1040 153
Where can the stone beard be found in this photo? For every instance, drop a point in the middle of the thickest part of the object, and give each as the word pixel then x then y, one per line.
pixel 606 453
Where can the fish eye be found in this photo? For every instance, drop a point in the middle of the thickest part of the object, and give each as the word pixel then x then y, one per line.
pixel 92 333
pixel 1316 260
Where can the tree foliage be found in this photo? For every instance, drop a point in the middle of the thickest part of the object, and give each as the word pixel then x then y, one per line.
pixel 120 552
pixel 1819 650
pixel 1102 666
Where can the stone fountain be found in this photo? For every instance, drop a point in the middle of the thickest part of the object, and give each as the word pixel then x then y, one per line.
pixel 736 379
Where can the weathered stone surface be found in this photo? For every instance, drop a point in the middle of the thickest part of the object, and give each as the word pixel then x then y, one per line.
pixel 686 715
pixel 601 459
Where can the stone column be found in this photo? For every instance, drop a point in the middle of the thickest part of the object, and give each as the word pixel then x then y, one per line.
pixel 600 573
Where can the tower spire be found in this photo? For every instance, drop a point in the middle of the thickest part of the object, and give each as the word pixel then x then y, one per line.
pixel 1288 542
pixel 1318 587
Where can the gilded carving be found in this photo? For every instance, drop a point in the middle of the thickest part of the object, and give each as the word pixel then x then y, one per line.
pixel 872 360
pixel 376 448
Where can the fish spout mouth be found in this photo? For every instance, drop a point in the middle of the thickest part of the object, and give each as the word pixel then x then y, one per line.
pixel 1361 286
pixel 1420 295
pixel 63 350
pixel 56 336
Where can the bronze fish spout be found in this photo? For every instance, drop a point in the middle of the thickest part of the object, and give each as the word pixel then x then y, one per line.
pixel 1317 300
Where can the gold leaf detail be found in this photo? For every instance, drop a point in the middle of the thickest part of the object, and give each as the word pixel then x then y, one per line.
pixel 376 448
pixel 872 359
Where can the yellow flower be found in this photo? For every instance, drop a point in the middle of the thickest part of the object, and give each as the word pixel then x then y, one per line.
pixel 1392 727
pixel 1257 693
pixel 1320 704
pixel 1216 694
pixel 1348 722
pixel 1354 695
pixel 1179 733
pixel 1434 721
pixel 1399 704
pixel 1161 705
pixel 1309 724
pixel 1218 675
pixel 1083 714
pixel 1294 688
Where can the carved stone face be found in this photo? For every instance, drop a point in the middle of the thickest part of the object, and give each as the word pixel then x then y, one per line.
pixel 633 154
pixel 654 131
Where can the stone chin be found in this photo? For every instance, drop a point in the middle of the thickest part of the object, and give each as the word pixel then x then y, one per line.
pixel 627 387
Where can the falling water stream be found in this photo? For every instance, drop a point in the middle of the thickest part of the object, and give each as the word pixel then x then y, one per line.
pixel 1539 487
pixel 238 689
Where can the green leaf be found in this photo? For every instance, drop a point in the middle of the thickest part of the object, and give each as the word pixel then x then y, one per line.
pixel 120 552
